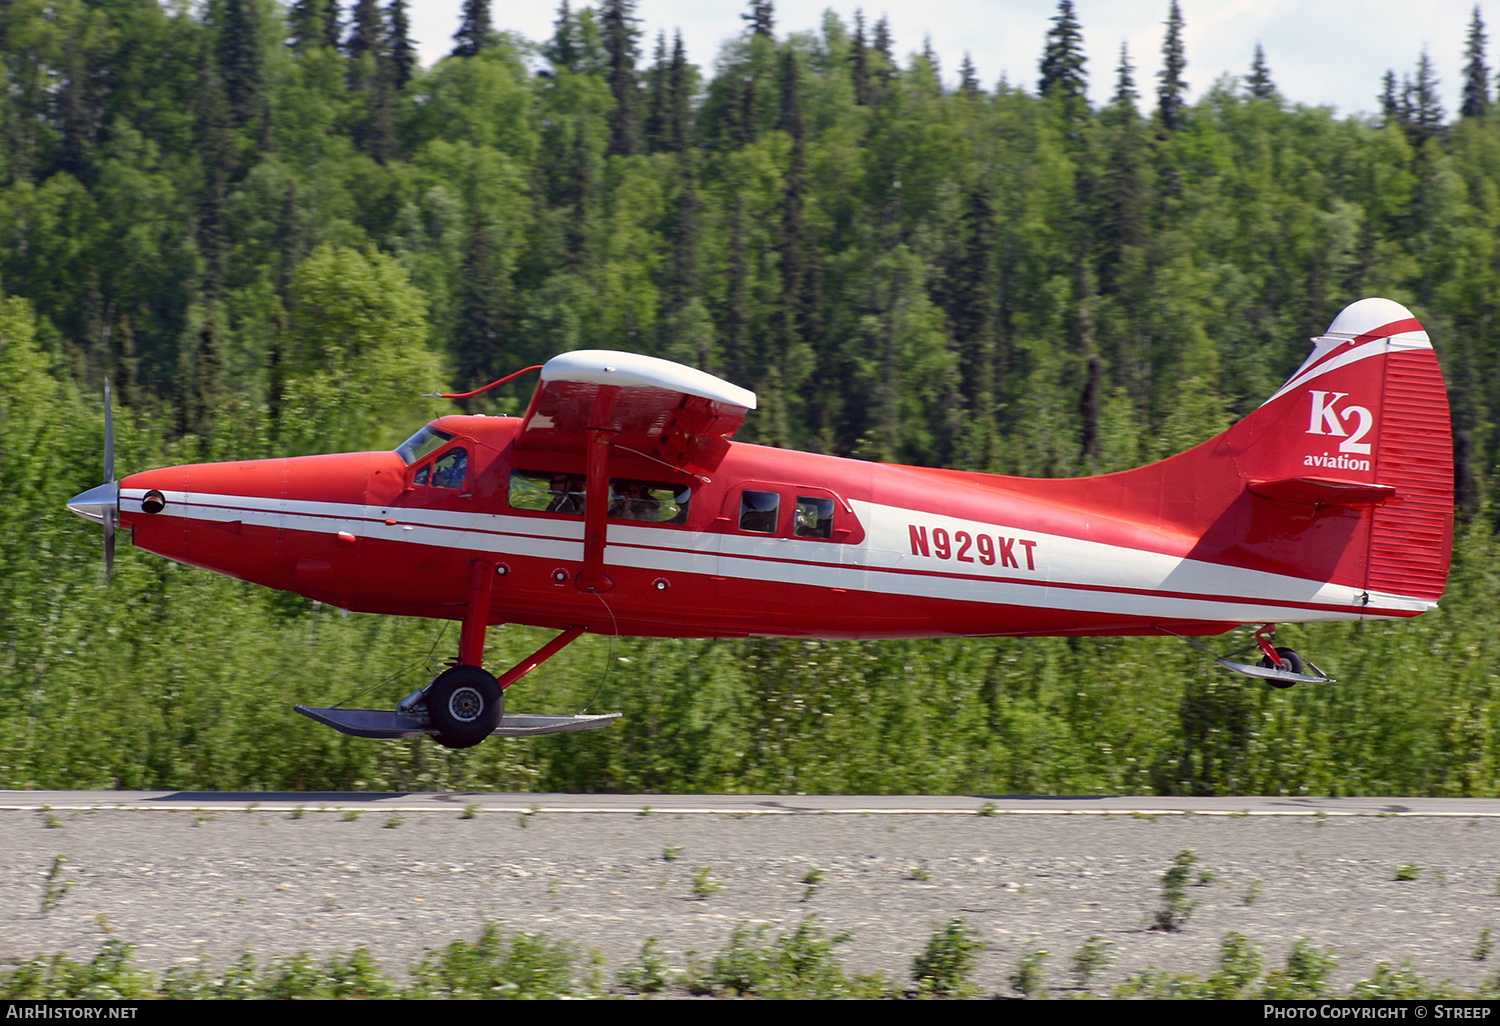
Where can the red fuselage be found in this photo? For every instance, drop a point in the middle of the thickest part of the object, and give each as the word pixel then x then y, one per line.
pixel 906 552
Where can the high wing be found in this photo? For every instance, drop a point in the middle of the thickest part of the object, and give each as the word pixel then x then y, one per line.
pixel 662 410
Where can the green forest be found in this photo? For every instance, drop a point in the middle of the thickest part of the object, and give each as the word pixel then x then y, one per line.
pixel 272 230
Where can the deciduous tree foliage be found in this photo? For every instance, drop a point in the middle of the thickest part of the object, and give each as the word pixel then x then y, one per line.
pixel 195 203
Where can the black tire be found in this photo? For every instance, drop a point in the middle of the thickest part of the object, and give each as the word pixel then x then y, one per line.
pixel 464 705
pixel 1293 664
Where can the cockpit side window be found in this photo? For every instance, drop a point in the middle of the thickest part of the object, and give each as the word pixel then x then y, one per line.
pixel 449 470
pixel 427 440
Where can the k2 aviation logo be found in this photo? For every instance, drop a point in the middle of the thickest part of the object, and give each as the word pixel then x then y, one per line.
pixel 1328 419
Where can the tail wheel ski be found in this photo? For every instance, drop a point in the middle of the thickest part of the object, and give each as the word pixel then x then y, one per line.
pixel 1289 661
pixel 464 706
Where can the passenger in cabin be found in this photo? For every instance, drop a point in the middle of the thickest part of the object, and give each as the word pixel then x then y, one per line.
pixel 635 503
pixel 567 495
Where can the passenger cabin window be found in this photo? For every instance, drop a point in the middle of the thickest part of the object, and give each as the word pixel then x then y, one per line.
pixel 814 517
pixel 651 502
pixel 542 491
pixel 759 511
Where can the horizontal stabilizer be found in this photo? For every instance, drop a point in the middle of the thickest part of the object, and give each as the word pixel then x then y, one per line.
pixel 379 723
pixel 1322 491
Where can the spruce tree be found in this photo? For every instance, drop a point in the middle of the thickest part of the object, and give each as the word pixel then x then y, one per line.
pixel 478 334
pixel 884 70
pixel 973 305
pixel 400 47
pixel 658 97
pixel 761 18
pixel 1259 80
pixel 240 62
pixel 859 62
pixel 78 109
pixel 372 80
pixel 793 242
pixel 216 149
pixel 620 34
pixel 1063 78
pixel 1390 102
pixel 313 23
pixel 581 193
pixel 1422 104
pixel 563 50
pixel 680 114
pixel 1125 94
pixel 740 361
pixel 968 78
pixel 1170 99
pixel 474 31
pixel 1476 102
pixel 304 22
pixel 364 30
pixel 1122 196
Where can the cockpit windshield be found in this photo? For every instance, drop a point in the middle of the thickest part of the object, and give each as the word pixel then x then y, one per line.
pixel 421 443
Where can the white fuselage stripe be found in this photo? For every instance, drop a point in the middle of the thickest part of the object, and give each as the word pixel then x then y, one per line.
pixel 1063 573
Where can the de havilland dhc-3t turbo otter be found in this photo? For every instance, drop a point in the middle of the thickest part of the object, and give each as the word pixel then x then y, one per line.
pixel 618 504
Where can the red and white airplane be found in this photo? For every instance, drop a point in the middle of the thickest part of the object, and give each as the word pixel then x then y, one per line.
pixel 618 504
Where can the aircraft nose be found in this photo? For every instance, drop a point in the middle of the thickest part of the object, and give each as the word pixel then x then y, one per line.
pixel 96 503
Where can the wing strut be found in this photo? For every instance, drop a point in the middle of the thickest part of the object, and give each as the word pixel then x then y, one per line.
pixel 596 494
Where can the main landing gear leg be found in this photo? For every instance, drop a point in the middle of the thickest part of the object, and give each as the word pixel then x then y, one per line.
pixel 1278 667
pixel 465 704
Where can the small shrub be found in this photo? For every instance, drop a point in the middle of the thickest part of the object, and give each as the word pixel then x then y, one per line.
pixel 56 888
pixel 1400 983
pixel 798 965
pixel 1030 973
pixel 1176 907
pixel 1240 965
pixel 648 976
pixel 946 965
pixel 1408 871
pixel 1305 976
pixel 1092 957
pixel 109 976
pixel 522 966
pixel 704 886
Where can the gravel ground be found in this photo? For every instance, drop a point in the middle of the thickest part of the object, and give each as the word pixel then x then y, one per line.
pixel 184 886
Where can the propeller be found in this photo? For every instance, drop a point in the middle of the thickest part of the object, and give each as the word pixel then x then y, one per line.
pixel 102 503
pixel 112 515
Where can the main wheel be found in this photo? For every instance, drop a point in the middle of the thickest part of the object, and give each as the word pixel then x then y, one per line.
pixel 1293 664
pixel 465 705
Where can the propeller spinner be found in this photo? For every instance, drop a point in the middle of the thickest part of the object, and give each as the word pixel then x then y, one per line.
pixel 102 504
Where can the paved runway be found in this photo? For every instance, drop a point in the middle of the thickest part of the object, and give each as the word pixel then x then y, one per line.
pixel 203 875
